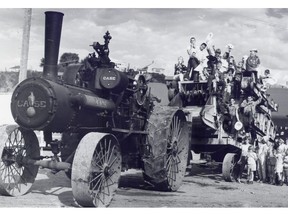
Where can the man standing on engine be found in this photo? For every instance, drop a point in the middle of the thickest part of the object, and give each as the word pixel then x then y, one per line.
pixel 191 50
pixel 252 63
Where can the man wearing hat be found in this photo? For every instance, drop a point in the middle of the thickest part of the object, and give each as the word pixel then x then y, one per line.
pixel 213 59
pixel 249 110
pixel 281 146
pixel 252 63
pixel 227 54
pixel 266 80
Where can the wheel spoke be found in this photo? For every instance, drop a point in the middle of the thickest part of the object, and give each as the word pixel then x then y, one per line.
pixel 109 177
pixel 178 161
pixel 106 155
pixel 174 167
pixel 112 152
pixel 98 198
pixel 102 153
pixel 103 189
pixel 9 142
pixel 108 151
pixel 107 186
pixel 97 159
pixel 179 134
pixel 100 158
pixel 112 163
pixel 5 175
pixel 168 159
pixel 14 140
pixel 16 185
pixel 20 175
pixel 9 178
pixel 176 129
pixel 97 194
pixel 98 182
pixel 170 169
pixel 104 147
pixel 171 176
pixel 94 178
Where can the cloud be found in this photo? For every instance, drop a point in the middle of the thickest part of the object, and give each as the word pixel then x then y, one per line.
pixel 277 12
pixel 142 35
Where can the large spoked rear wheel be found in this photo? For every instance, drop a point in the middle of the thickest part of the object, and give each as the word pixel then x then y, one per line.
pixel 17 144
pixel 96 169
pixel 228 167
pixel 169 140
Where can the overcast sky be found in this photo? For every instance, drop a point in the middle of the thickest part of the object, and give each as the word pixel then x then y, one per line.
pixel 140 36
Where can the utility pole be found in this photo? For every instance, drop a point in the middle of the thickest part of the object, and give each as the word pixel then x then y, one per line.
pixel 25 44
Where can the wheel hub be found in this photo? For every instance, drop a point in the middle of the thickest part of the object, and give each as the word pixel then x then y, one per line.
pixel 8 157
pixel 175 148
pixel 106 170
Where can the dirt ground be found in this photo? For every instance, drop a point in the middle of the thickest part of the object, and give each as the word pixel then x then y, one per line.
pixel 203 188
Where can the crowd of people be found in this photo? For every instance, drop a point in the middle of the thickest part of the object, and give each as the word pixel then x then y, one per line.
pixel 233 83
pixel 230 81
pixel 266 161
pixel 205 63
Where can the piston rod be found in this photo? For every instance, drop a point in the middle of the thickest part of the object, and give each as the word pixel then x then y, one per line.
pixel 51 164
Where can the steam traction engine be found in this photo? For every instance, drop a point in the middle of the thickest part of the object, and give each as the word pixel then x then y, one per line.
pixel 108 122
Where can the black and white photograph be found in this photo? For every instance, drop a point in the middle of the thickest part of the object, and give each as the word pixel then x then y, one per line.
pixel 144 107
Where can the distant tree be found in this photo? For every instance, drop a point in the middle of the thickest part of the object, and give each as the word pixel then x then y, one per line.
pixel 156 77
pixel 65 58
pixel 42 62
pixel 69 57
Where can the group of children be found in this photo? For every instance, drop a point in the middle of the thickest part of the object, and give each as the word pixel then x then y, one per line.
pixel 266 161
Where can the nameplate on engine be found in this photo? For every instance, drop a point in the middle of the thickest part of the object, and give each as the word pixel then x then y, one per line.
pixel 109 78
pixel 37 104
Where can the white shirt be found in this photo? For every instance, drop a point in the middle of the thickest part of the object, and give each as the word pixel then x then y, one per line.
pixel 244 148
pixel 191 49
pixel 201 55
pixel 262 151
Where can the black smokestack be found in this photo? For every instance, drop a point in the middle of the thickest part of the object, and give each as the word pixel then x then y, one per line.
pixel 53 26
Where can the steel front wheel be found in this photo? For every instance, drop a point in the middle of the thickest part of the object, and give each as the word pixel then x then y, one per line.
pixel 228 167
pixel 96 170
pixel 17 144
